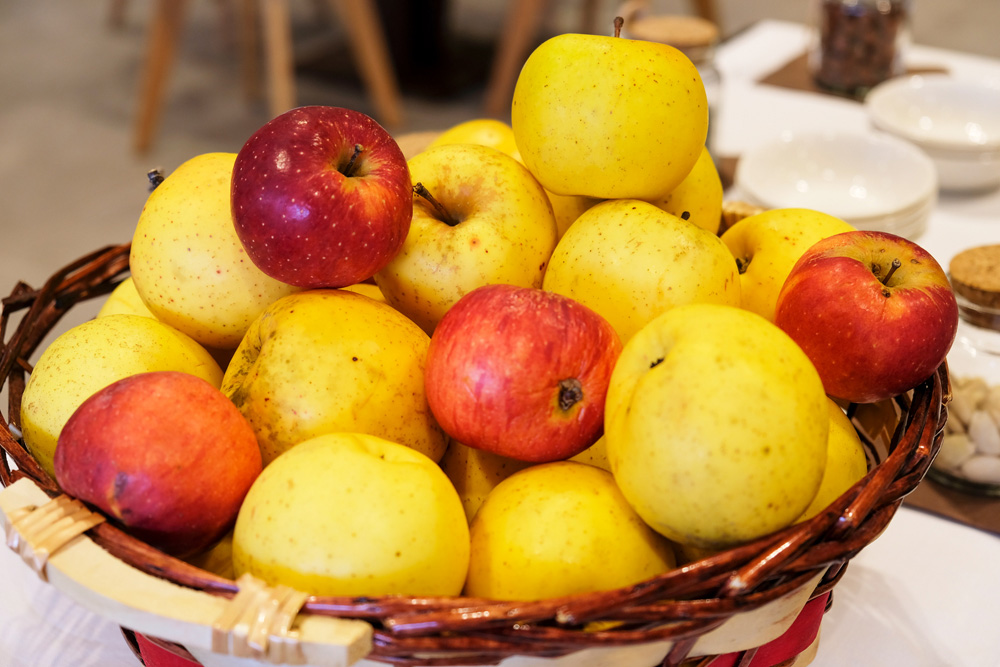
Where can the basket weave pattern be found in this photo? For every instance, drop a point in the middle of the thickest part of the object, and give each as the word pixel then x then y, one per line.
pixel 678 606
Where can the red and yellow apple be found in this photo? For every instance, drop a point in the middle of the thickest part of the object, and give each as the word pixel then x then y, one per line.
pixel 874 311
pixel 521 372
pixel 321 197
pixel 165 454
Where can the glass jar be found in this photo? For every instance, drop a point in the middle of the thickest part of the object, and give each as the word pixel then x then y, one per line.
pixel 969 458
pixel 694 36
pixel 859 43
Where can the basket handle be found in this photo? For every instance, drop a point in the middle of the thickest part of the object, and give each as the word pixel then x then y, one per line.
pixel 260 623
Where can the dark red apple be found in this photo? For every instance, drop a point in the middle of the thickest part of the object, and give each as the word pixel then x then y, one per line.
pixel 321 197
pixel 521 372
pixel 873 311
pixel 164 453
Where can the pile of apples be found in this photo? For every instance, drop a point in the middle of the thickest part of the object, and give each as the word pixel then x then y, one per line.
pixel 524 363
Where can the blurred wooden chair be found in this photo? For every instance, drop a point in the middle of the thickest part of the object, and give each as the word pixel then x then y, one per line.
pixel 521 26
pixel 363 30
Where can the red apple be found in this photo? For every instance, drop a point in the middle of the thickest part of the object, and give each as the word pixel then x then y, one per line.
pixel 873 311
pixel 521 372
pixel 321 197
pixel 164 453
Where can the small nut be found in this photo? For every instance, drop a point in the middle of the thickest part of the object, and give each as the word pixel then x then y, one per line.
pixel 982 469
pixel 955 450
pixel 984 434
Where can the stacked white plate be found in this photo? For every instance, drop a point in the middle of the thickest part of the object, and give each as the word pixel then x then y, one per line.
pixel 873 181
pixel 956 122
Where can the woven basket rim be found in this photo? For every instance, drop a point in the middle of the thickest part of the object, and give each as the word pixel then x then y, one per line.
pixel 678 606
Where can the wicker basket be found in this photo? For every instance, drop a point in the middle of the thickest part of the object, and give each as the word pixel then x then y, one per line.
pixel 677 616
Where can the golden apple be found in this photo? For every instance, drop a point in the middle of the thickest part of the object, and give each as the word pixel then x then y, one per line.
pixel 716 426
pixel 475 472
pixel 367 289
pixel 609 117
pixel 491 223
pixel 323 361
pixel 353 514
pixel 560 528
pixel 125 299
pixel 89 357
pixel 698 198
pixel 846 461
pixel 481 131
pixel 767 245
pixel 595 455
pixel 187 263
pixel 499 135
pixel 630 261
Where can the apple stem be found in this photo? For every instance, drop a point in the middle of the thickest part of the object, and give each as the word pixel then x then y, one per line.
pixel 421 191
pixel 619 22
pixel 570 393
pixel 895 265
pixel 155 177
pixel 348 170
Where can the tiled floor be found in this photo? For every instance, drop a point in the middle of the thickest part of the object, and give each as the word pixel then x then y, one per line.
pixel 70 182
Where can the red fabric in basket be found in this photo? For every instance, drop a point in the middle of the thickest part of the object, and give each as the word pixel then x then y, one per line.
pixel 797 638
pixel 154 655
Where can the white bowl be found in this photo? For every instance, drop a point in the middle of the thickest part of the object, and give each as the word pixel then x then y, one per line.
pixel 955 121
pixel 871 180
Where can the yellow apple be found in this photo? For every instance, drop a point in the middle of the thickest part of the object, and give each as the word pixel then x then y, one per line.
pixel 609 117
pixel 499 135
pixel 494 225
pixel 475 472
pixel 767 245
pixel 716 426
pixel 482 131
pixel 698 198
pixel 846 461
pixel 353 514
pixel 323 361
pixel 125 299
pixel 369 290
pixel 630 261
pixel 89 357
pixel 595 455
pixel 187 263
pixel 556 529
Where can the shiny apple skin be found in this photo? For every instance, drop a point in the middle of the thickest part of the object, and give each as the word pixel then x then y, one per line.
pixel 164 453
pixel 496 367
pixel 869 341
pixel 300 219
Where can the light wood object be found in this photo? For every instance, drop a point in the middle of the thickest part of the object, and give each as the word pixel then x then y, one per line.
pixel 260 626
pixel 362 27
pixel 521 25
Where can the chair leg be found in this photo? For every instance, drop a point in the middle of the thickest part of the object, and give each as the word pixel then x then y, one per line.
pixel 706 9
pixel 280 55
pixel 520 27
pixel 163 33
pixel 249 17
pixel 371 54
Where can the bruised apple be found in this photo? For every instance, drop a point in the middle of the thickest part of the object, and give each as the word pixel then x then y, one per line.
pixel 521 372
pixel 164 453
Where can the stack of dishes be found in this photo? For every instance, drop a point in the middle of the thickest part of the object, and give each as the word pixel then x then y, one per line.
pixel 871 180
pixel 956 122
